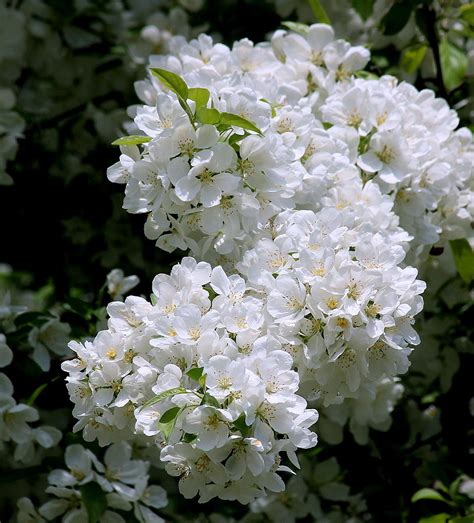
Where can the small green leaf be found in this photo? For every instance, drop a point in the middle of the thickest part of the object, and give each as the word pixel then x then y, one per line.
pixel 94 500
pixel 170 415
pixel 363 7
pixel 164 395
pixel 32 318
pixel 202 381
pixel 131 140
pixel 199 95
pixel 235 138
pixel 428 493
pixel 237 121
pixel 195 373
pixel 208 116
pixel 319 12
pixel 436 518
pixel 302 29
pixel 412 58
pixel 467 13
pixel 463 258
pixel 189 438
pixel 397 17
pixel 453 63
pixel 172 81
pixel 241 426
pixel 210 400
pixel 463 519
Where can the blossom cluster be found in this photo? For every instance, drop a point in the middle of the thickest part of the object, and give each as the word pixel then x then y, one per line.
pixel 121 481
pixel 199 378
pixel 275 127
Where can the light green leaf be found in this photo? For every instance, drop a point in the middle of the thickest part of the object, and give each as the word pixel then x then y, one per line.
pixel 238 121
pixel 195 373
pixel 31 400
pixel 164 395
pixel 170 415
pixel 428 493
pixel 453 64
pixel 199 95
pixel 463 258
pixel 319 12
pixel 208 116
pixel 302 29
pixel 173 81
pixel 131 140
pixel 412 58
pixel 94 500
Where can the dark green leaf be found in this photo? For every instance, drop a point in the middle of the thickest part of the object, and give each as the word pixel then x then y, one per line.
pixel 208 116
pixel 164 395
pixel 237 121
pixel 241 426
pixel 397 17
pixel 199 95
pixel 363 7
pixel 453 63
pixel 412 58
pixel 36 393
pixel 467 13
pixel 195 373
pixel 428 493
pixel 131 140
pixel 170 415
pixel 463 258
pixel 94 500
pixel 189 438
pixel 32 318
pixel 173 81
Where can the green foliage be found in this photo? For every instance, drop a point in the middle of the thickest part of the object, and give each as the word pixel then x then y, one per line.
pixel 164 395
pixel 94 500
pixel 131 140
pixel 397 17
pixel 428 493
pixel 363 7
pixel 453 64
pixel 413 57
pixel 464 259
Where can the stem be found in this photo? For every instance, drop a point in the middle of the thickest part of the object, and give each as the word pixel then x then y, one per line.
pixel 319 12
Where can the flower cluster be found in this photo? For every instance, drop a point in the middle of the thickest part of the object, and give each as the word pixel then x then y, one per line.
pixel 121 482
pixel 239 135
pixel 198 377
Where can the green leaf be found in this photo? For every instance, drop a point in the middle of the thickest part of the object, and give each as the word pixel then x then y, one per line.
pixel 302 29
pixel 169 415
pixel 319 12
pixel 195 373
pixel 241 426
pixel 131 140
pixel 363 7
pixel 464 259
pixel 172 81
pixel 164 395
pixel 467 13
pixel 94 500
pixel 463 519
pixel 237 121
pixel 208 116
pixel 235 138
pixel 32 318
pixel 428 493
pixel 199 95
pixel 397 17
pixel 210 400
pixel 189 438
pixel 437 518
pixel 453 64
pixel 412 58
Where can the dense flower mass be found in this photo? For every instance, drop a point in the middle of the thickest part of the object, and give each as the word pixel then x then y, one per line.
pixel 270 128
pixel 198 378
